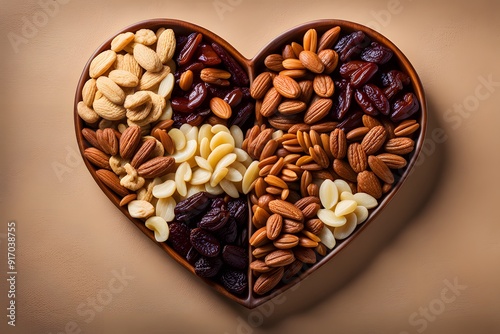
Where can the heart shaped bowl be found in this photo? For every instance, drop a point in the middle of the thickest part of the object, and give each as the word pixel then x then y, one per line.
pixel 253 67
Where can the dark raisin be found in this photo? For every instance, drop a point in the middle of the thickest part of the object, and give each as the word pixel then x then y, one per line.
pixel 178 238
pixel 376 53
pixel 191 207
pixel 353 121
pixel 405 107
pixel 205 242
pixel 351 45
pixel 197 96
pixel 208 267
pixel 343 102
pixel 192 255
pixel 228 233
pixel 238 75
pixel 189 48
pixel 238 209
pixel 234 281
pixel 214 219
pixel 235 256
pixel 394 82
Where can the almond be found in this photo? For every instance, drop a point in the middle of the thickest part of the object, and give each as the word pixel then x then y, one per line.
pixel 101 63
pixel 87 113
pixel 370 122
pixel 311 61
pixel 314 226
pixel 143 153
pixel 330 60
pixel 131 65
pixel 107 140
pixel 291 226
pixel 91 137
pixel 357 157
pixel 262 251
pixel 283 122
pixel 186 80
pixel 165 140
pixel 123 78
pixel 270 103
pixel 129 141
pixel 97 157
pixel 274 62
pixel 392 161
pixel 286 209
pixel 279 258
pixel 286 241
pixel 374 140
pixel 338 143
pixel 259 237
pixel 311 210
pixel 121 40
pixel 369 183
pixel 109 110
pixel 112 181
pixel 156 167
pixel 273 226
pixel 306 90
pixel 319 156
pixel 151 79
pixel 259 266
pixel 215 76
pixel 324 127
pixel 293 64
pixel 275 181
pixel 291 107
pixel 307 242
pixel 220 108
pixel 260 217
pixel 267 281
pixel 286 86
pixel 406 128
pixel 88 92
pixel 323 85
pixel 310 40
pixel 261 85
pixel 380 169
pixel 328 39
pixel 344 170
pixel 317 110
pixel 302 203
pixel 147 58
pixel 304 255
pixel 165 45
pixel 400 145
pixel 269 149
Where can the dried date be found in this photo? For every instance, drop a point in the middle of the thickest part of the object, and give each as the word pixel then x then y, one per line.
pixel 394 82
pixel 351 45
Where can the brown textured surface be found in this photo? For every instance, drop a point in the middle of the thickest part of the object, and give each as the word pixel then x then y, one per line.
pixel 441 227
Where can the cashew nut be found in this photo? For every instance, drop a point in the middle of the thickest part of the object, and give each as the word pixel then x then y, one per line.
pixel 132 180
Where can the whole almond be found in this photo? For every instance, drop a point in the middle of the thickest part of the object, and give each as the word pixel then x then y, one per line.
pixel 318 110
pixel 374 140
pixel 357 133
pixel 112 181
pixel 311 61
pixel 91 137
pixel 107 140
pixel 186 80
pixel 323 85
pixel 109 110
pixel 291 107
pixel 87 113
pixel 310 41
pixel 129 141
pixel 292 269
pixel 319 156
pixel 259 266
pixel 293 64
pixel 268 149
pixel 304 255
pixel 275 181
pixel 147 58
pixel 215 76
pixel 357 157
pixel 311 210
pixel 324 127
pixel 165 45
pixel 370 122
pixel 263 250
pixel 260 217
pixel 370 184
pixel 220 108
pixel 279 258
pixel 286 210
pixel 123 78
pixel 143 153
pixel 400 145
pixel 129 64
pixel 156 167
pixel 307 242
pixel 151 79
pixel 165 140
pixel 302 203
pixel 259 237
pixel 270 103
pixel 274 62
pixel 330 60
pixel 122 40
pixel 286 86
pixel 97 157
pixel 88 92
pixel 291 226
pixel 393 161
pixel 101 63
pixel 328 38
pixel 380 169
pixel 286 241
pixel 344 170
pixel 267 281
pixel 273 226
pixel 406 128
pixel 306 90
pixel 338 143
pixel 261 85
pixel 314 226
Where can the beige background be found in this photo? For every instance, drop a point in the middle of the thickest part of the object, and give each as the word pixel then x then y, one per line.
pixel 443 227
